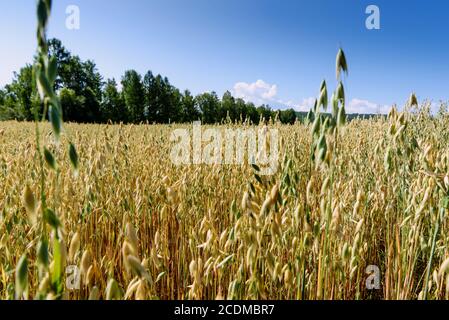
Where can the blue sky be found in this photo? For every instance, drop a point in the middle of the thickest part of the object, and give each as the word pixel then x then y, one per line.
pixel 272 51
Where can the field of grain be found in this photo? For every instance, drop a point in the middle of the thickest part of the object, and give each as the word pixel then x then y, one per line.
pixel 138 227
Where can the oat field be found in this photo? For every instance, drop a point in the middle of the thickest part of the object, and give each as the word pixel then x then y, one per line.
pixel 135 226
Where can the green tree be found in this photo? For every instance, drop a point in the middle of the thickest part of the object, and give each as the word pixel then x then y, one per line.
pixel 113 106
pixel 63 59
pixel 240 110
pixel 83 78
pixel 209 105
pixel 72 104
pixel 134 96
pixel 173 112
pixel 189 112
pixel 252 113
pixel 288 116
pixel 7 107
pixel 151 101
pixel 21 94
pixel 80 108
pixel 91 106
pixel 265 112
pixel 162 100
pixel 2 97
pixel 228 107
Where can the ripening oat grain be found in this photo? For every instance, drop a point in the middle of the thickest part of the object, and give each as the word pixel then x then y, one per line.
pixel 347 195
pixel 308 232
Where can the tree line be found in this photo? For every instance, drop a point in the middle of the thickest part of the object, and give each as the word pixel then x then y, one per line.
pixel 87 98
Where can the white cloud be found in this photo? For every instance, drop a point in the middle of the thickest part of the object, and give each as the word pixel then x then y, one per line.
pixel 305 105
pixel 354 106
pixel 364 106
pixel 261 92
pixel 258 92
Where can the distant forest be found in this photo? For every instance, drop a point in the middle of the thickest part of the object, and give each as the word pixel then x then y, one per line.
pixel 87 98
